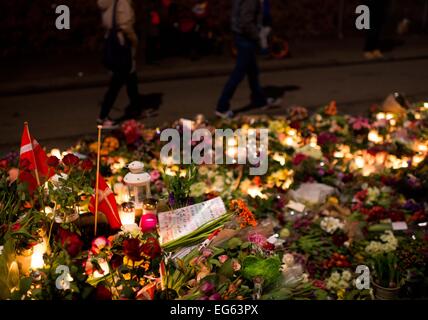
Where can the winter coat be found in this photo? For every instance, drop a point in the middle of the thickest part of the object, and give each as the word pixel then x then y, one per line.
pixel 247 18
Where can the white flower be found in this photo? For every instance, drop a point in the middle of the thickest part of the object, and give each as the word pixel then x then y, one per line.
pixel 343 284
pixel 335 277
pixel 133 229
pixel 305 278
pixel 389 243
pixel 198 189
pixel 330 224
pixel 346 275
pixel 288 259
pixel 218 184
pixel 203 170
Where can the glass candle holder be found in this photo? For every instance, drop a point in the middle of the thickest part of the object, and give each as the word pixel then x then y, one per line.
pixel 127 213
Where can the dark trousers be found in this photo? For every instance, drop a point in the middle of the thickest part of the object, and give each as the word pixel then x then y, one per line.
pixel 378 11
pixel 246 65
pixel 118 80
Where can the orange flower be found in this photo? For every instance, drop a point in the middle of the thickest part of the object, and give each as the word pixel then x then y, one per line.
pixel 244 215
pixel 257 181
pixel 331 109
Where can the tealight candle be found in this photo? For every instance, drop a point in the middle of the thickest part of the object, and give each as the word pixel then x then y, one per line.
pixel 127 213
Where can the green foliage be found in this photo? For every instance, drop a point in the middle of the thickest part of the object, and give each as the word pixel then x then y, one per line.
pixel 268 269
pixel 179 186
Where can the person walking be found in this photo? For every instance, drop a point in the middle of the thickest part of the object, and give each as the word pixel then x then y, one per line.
pixel 378 15
pixel 246 22
pixel 118 19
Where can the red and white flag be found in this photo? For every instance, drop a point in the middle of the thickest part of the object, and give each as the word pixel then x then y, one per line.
pixel 33 167
pixel 106 204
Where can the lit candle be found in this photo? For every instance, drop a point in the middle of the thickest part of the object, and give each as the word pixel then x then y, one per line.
pixel 359 162
pixel 127 213
pixel 37 261
pixel 56 153
pixel 375 137
pixel 380 116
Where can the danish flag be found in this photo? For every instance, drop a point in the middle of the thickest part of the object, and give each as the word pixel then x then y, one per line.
pixel 106 204
pixel 33 167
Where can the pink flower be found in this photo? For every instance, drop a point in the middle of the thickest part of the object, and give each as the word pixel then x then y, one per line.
pixel 98 244
pixel 359 123
pixel 257 239
pixel 236 266
pixel 207 253
pixel 154 175
pixel 223 258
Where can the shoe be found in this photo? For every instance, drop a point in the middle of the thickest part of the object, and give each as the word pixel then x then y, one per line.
pixel 225 115
pixel 107 124
pixel 369 55
pixel 378 54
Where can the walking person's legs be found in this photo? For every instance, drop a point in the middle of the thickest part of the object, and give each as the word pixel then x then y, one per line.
pixel 116 83
pixel 258 98
pixel 133 109
pixel 237 75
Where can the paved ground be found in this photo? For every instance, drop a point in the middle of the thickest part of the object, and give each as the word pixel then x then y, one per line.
pixel 59 115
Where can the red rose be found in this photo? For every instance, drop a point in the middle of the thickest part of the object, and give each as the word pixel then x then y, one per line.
pixel 87 165
pixel 361 195
pixel 299 158
pixel 151 248
pixel 132 248
pixel 70 241
pixel 116 261
pixel 3 164
pixel 53 161
pixel 70 160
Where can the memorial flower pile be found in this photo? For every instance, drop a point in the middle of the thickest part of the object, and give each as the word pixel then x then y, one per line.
pixel 341 193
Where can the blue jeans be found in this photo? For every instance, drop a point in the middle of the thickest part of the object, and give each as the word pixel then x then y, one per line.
pixel 246 65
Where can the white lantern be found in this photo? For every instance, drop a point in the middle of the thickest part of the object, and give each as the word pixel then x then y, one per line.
pixel 138 183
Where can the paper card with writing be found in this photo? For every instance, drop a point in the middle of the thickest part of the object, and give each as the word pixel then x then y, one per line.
pixel 178 223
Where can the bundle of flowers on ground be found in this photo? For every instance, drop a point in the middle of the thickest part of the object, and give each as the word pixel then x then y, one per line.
pixel 340 214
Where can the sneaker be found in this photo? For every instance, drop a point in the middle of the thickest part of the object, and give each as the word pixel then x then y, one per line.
pixel 107 124
pixel 225 115
pixel 378 55
pixel 369 55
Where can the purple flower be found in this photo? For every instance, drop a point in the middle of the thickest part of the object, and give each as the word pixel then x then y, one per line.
pixel 171 199
pixel 215 296
pixel 207 287
pixel 326 137
pixel 411 205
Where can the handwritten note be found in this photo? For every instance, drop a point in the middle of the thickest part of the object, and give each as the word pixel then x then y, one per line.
pixel 178 223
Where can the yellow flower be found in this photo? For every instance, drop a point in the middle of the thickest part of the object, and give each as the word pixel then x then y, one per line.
pixel 333 200
pixel 341 294
pixel 130 263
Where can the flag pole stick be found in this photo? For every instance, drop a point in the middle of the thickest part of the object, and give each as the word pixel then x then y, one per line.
pixel 97 182
pixel 34 156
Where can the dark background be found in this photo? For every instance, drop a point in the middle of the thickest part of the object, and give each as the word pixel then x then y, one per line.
pixel 28 26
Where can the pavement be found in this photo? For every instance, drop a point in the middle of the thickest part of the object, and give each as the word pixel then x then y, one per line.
pixel 59 95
